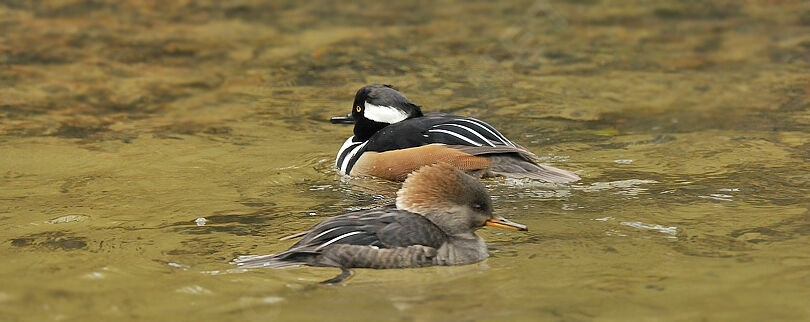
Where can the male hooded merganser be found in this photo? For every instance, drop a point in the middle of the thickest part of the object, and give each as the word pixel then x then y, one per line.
pixel 437 211
pixel 393 138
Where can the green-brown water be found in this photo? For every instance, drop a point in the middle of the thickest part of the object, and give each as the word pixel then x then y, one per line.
pixel 121 123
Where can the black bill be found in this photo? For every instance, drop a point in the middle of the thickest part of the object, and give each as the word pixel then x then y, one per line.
pixel 348 119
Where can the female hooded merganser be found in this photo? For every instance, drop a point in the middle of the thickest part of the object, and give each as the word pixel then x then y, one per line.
pixel 393 138
pixel 437 211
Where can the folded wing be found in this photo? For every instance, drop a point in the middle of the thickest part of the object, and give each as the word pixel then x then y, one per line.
pixel 360 239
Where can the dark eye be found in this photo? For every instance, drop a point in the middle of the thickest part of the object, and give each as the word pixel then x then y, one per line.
pixel 478 207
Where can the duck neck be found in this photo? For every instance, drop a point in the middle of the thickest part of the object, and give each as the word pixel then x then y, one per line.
pixel 460 249
pixel 443 216
pixel 363 130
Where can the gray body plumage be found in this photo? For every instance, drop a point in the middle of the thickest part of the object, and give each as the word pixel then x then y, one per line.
pixel 381 238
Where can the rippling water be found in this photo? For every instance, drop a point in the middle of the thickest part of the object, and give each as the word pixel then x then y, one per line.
pixel 144 144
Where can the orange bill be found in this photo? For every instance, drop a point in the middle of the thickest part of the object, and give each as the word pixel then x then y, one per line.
pixel 501 222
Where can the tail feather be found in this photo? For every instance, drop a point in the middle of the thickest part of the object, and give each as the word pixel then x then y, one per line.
pixel 259 261
pixel 514 167
pixel 499 149
pixel 517 162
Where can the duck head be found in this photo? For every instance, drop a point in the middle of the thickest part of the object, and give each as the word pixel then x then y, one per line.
pixel 375 107
pixel 454 201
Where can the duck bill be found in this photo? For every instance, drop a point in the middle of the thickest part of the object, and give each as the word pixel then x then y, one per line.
pixel 501 222
pixel 348 119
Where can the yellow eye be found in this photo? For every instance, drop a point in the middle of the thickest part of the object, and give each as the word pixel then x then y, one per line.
pixel 357 108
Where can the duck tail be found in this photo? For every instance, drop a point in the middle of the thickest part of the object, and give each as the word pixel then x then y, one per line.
pixel 260 261
pixel 514 167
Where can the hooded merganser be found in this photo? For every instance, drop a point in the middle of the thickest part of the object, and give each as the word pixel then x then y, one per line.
pixel 393 138
pixel 433 222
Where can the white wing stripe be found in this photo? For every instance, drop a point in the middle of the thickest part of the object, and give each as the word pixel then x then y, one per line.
pixel 491 130
pixel 376 217
pixel 498 135
pixel 483 139
pixel 337 238
pixel 457 135
pixel 324 233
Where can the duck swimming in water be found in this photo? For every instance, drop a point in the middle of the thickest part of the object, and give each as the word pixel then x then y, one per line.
pixel 392 138
pixel 433 222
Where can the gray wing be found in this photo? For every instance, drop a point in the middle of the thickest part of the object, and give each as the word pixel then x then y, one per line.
pixel 381 238
pixel 384 227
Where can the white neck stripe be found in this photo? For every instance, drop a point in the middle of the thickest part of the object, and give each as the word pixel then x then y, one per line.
pixel 344 167
pixel 349 143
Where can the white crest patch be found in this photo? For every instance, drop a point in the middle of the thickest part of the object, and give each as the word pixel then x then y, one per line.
pixel 384 114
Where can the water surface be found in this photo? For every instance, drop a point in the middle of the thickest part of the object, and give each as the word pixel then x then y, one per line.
pixel 123 123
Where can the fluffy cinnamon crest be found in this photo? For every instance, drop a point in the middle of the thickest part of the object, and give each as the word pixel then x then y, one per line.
pixel 438 187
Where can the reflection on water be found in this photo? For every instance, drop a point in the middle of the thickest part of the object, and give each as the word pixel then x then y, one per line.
pixel 145 144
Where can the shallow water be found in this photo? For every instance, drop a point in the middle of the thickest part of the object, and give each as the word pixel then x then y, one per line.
pixel 122 123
